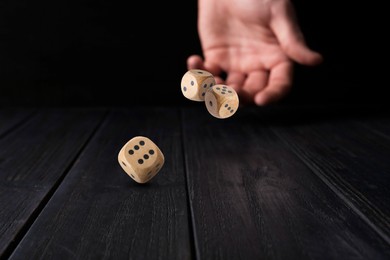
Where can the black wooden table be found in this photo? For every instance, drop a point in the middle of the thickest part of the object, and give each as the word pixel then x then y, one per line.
pixel 282 182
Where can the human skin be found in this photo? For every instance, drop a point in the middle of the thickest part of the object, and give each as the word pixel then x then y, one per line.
pixel 255 44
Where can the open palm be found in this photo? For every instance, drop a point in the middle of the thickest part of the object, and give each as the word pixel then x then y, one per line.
pixel 253 42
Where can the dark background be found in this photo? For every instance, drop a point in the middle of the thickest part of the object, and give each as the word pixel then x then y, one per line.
pixel 104 52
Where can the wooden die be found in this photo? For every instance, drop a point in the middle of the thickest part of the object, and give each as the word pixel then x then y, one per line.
pixel 221 101
pixel 141 159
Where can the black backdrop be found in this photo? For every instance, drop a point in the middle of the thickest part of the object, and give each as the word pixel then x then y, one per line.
pixel 84 52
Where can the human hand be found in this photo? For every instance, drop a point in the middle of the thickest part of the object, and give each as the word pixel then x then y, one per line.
pixel 255 43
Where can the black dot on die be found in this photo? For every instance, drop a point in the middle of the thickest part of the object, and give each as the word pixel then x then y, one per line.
pixel 229 108
pixel 132 176
pixel 203 94
pixel 142 143
pixel 231 111
pixel 218 88
pixel 131 152
pixel 223 93
pixel 184 88
pixel 192 83
pixel 146 156
pixel 140 161
pixel 136 147
pixel 124 164
pixel 226 105
pixel 200 72
pixel 230 91
pixel 151 152
pixel 224 87
pixel 211 103
pixel 205 86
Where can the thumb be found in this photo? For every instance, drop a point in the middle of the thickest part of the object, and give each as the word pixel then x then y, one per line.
pixel 285 26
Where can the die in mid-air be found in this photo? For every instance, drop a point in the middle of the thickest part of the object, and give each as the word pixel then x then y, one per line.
pixel 141 159
pixel 221 101
pixel 195 83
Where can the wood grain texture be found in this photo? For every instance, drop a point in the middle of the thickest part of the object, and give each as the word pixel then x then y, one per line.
pixel 251 197
pixel 351 155
pixel 379 125
pixel 10 118
pixel 33 159
pixel 99 212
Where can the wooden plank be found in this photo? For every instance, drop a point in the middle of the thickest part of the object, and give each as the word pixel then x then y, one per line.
pixel 99 212
pixel 251 197
pixel 11 118
pixel 33 159
pixel 352 156
pixel 380 126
